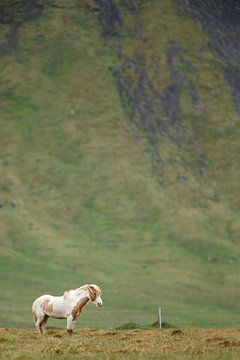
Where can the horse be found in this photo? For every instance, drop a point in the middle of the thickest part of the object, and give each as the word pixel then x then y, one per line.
pixel 68 306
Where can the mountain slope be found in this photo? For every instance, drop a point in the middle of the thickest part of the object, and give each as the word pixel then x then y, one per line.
pixel 119 155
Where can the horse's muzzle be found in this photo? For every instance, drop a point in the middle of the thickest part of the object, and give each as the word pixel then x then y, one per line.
pixel 99 304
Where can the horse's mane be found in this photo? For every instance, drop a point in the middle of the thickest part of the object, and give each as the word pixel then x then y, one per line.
pixel 68 292
pixel 84 287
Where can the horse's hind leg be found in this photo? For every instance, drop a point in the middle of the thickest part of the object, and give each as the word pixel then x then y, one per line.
pixel 46 317
pixel 39 324
pixel 37 320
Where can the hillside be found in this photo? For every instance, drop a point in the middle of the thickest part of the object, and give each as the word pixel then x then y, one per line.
pixel 120 158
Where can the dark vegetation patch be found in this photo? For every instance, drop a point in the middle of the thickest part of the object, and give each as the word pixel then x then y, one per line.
pixel 220 19
pixel 3 339
pixel 15 14
pixel 129 325
pixel 19 11
pixel 177 332
pixel 154 110
pixel 133 325
pixel 112 15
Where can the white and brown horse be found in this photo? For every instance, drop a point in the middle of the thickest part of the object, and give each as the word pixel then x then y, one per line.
pixel 68 306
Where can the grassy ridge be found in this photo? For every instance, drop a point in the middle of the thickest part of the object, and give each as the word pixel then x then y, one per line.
pixel 86 197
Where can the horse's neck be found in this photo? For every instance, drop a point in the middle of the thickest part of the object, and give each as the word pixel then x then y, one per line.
pixel 80 294
pixel 76 295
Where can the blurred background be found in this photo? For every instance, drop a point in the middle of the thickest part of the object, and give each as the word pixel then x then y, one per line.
pixel 119 159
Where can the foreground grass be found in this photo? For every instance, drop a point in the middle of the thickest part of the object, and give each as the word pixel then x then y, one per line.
pixel 86 197
pixel 115 344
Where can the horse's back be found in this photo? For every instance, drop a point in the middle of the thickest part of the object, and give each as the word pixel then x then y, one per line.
pixel 53 306
pixel 38 303
pixel 42 298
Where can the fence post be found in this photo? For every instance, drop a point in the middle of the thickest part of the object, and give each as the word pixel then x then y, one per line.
pixel 160 317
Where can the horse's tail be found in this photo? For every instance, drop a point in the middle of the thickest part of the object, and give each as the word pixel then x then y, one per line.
pixel 34 315
pixel 34 311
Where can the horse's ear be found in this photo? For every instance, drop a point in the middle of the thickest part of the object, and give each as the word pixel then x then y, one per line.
pixel 92 292
pixel 91 289
pixel 96 289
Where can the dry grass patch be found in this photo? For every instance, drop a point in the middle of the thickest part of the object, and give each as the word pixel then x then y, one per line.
pixel 114 344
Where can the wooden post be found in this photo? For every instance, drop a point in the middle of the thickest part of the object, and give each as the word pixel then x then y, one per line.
pixel 160 317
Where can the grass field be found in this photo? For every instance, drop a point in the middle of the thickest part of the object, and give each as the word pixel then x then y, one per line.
pixel 119 163
pixel 172 344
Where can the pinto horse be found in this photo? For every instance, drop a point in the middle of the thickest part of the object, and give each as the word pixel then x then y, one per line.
pixel 68 306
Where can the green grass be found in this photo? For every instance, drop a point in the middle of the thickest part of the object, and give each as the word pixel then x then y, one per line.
pixel 81 200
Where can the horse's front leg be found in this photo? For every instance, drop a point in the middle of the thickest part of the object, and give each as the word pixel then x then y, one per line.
pixel 70 324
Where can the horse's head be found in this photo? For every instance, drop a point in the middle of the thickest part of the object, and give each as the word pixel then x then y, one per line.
pixel 95 294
